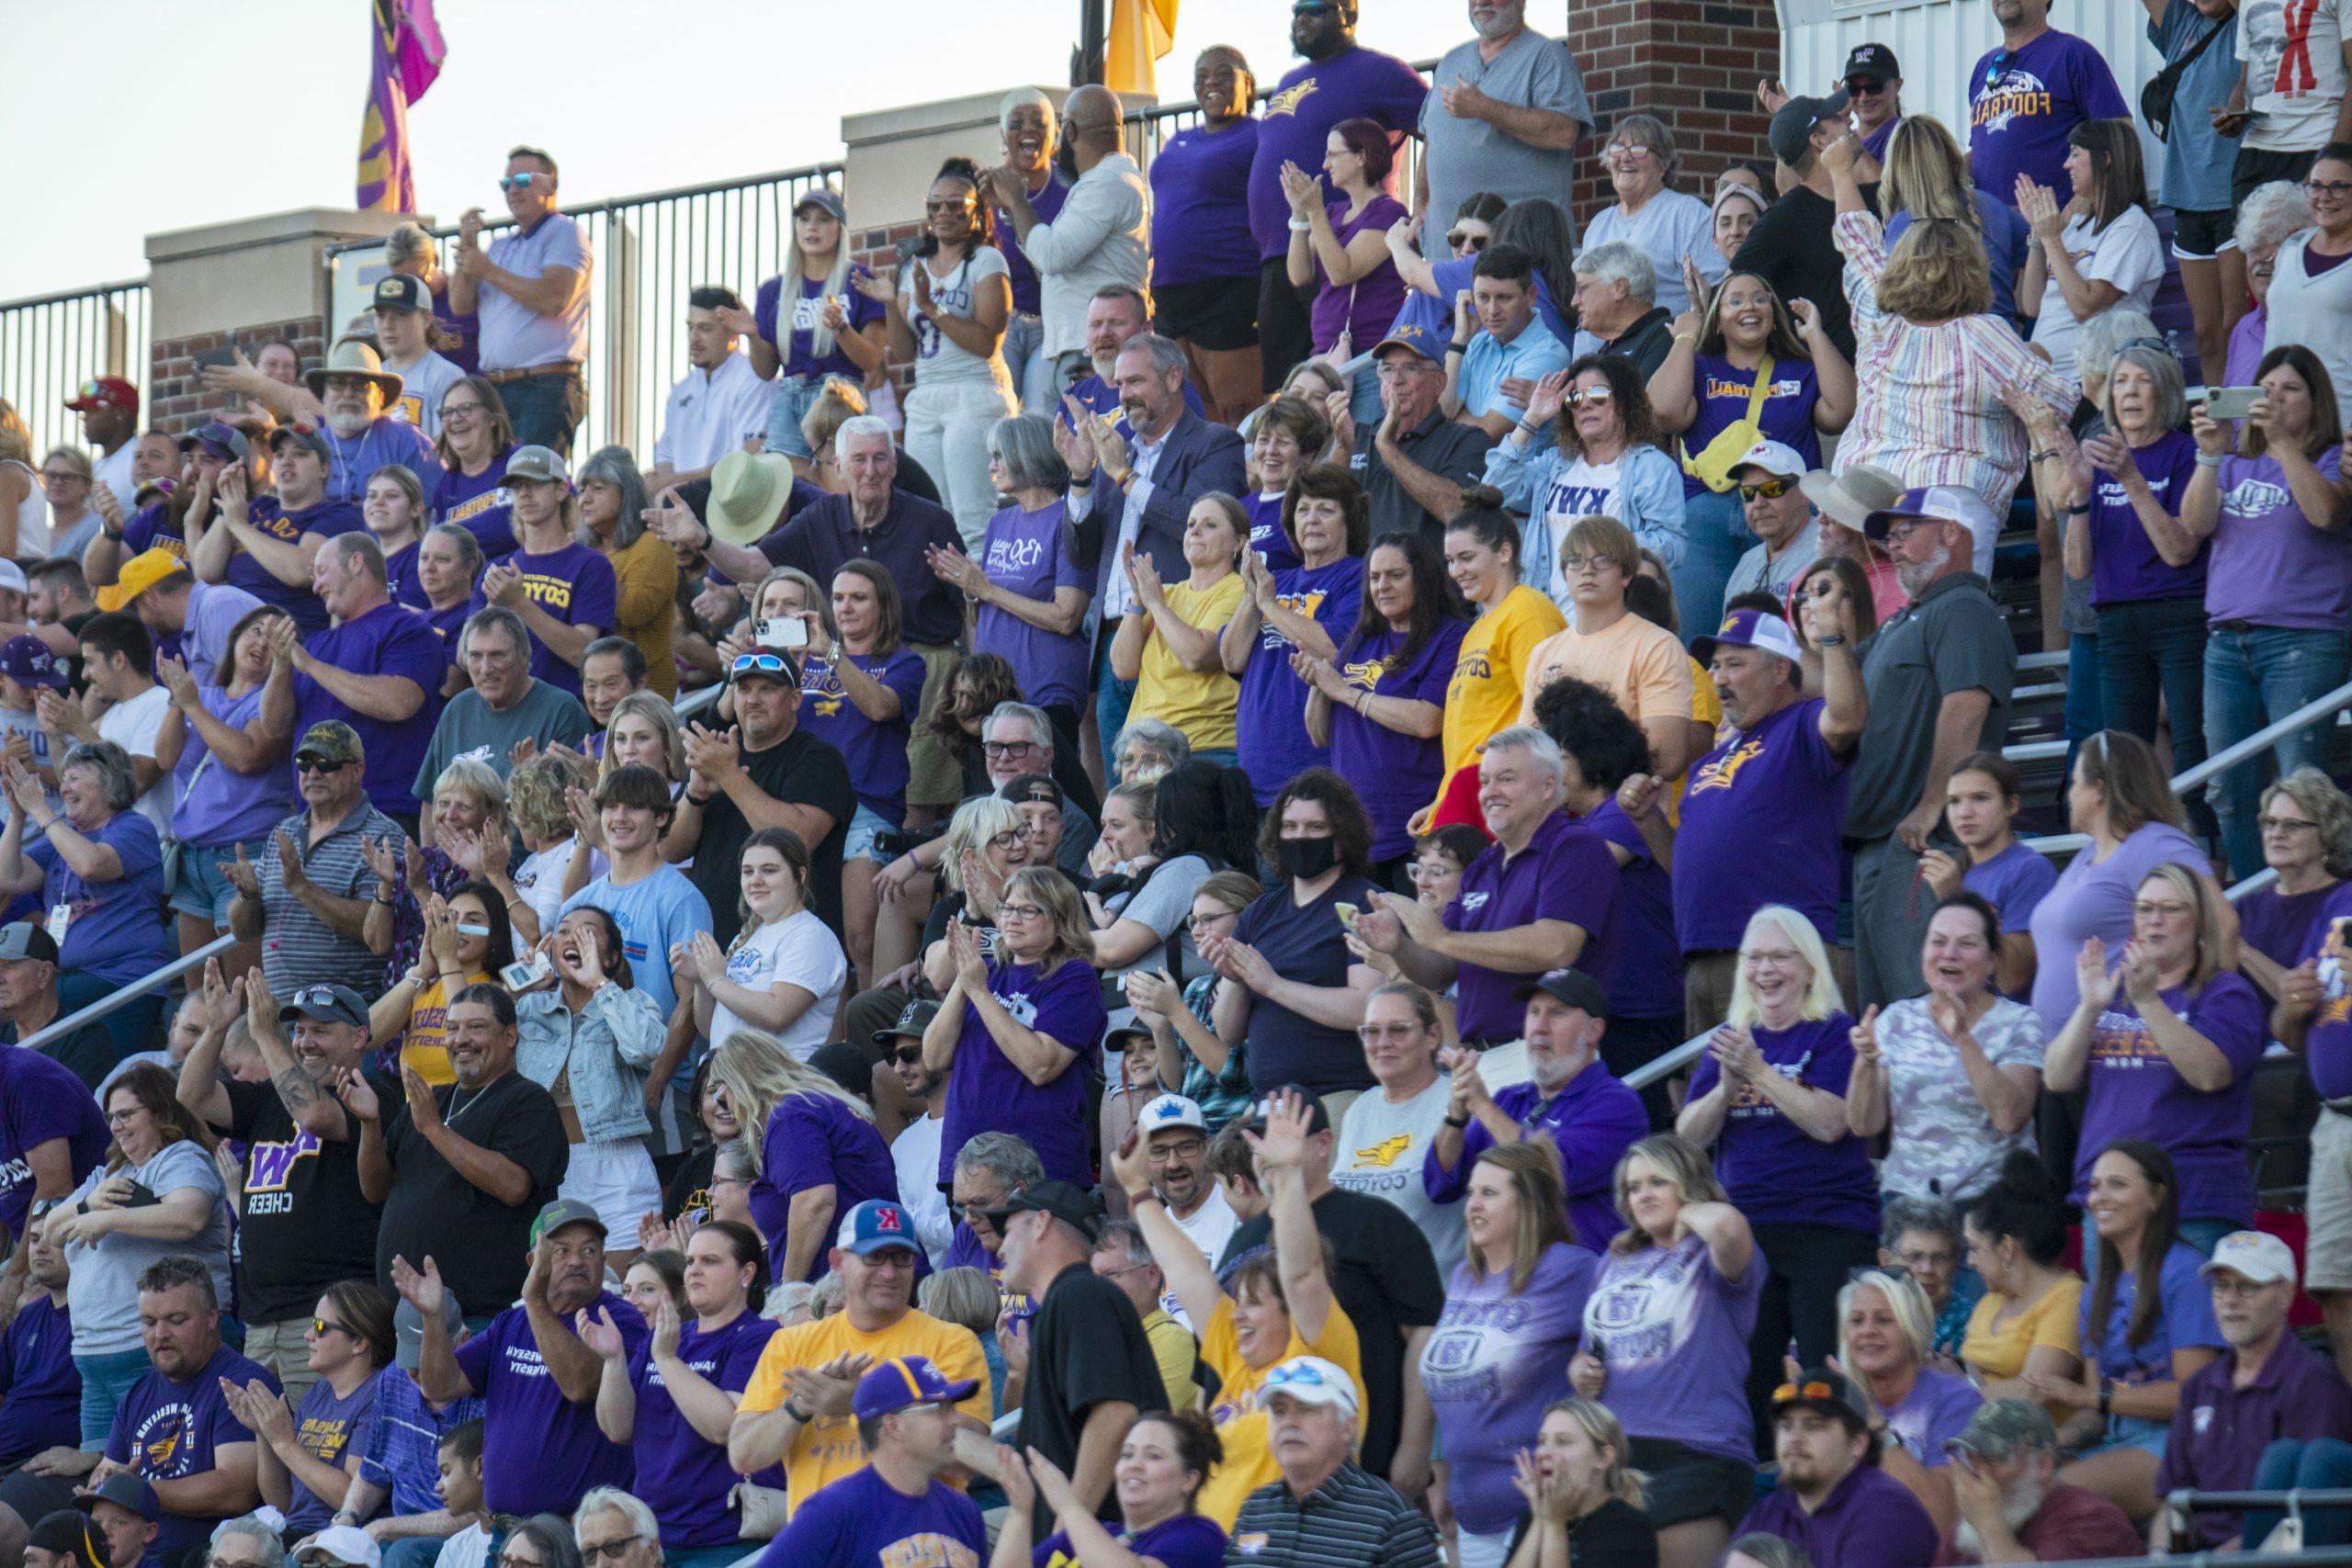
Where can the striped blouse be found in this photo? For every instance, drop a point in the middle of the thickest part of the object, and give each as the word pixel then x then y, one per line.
pixel 1933 412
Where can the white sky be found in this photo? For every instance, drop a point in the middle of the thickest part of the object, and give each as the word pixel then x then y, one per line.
pixel 108 104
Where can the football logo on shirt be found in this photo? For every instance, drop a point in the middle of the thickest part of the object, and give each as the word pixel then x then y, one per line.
pixel 1474 902
pixel 1365 674
pixel 161 1442
pixel 1305 604
pixel 1382 1155
pixel 1024 1010
pixel 2252 497
pixel 1290 97
pixel 929 1549
pixel 1723 771
pixel 2012 92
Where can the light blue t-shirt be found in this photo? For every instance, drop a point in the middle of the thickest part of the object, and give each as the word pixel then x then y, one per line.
pixel 1488 364
pixel 1669 226
pixel 654 913
pixel 515 337
pixel 2197 157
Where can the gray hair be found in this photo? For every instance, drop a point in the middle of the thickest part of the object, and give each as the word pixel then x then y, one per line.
pixel 468 548
pixel 1653 134
pixel 361 543
pixel 1166 354
pixel 1041 728
pixel 2172 382
pixel 1621 261
pixel 2272 211
pixel 1023 443
pixel 112 764
pixel 1770 1551
pixel 614 466
pixel 268 1543
pixel 1901 1214
pixel 1534 742
pixel 613 1500
pixel 500 617
pixel 1021 97
pixel 2098 339
pixel 1001 1155
pixel 736 1157
pixel 861 424
pixel 1132 295
pixel 408 243
pixel 1153 732
pixel 1127 1238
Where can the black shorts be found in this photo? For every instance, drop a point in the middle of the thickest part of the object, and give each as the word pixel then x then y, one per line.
pixel 2255 168
pixel 1215 313
pixel 2201 236
pixel 1687 1484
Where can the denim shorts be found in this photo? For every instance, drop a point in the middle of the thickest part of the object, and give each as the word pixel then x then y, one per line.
pixel 864 828
pixel 793 398
pixel 202 890
pixel 2131 1432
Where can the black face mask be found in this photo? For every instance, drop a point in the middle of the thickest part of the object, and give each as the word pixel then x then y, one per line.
pixel 1305 859
pixel 1066 160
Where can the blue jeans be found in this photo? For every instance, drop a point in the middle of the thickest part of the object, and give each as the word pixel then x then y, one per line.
pixel 1715 535
pixel 2086 697
pixel 2306 1464
pixel 2204 1236
pixel 2151 648
pixel 416 1552
pixel 2254 675
pixel 545 410
pixel 1032 369
pixel 1113 698
pixel 106 1382
pixel 791 400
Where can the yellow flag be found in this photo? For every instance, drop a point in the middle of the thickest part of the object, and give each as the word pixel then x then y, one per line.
pixel 1141 32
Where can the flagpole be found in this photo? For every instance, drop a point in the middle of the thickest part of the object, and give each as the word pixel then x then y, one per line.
pixel 1087 59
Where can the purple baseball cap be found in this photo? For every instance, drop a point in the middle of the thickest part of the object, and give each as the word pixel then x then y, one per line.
pixel 903 1381
pixel 28 659
pixel 1749 628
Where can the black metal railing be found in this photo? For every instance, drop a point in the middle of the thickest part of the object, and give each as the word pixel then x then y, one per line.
pixel 49 346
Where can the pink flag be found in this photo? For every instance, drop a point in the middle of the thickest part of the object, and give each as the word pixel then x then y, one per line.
pixel 405 57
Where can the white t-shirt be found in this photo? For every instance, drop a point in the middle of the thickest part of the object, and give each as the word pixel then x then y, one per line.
pixel 937 357
pixel 113 471
pixel 469 1548
pixel 2293 51
pixel 1210 1227
pixel 798 949
pixel 133 726
pixel 539 881
pixel 422 385
pixel 914 1154
pixel 32 515
pixel 2129 254
pixel 1580 490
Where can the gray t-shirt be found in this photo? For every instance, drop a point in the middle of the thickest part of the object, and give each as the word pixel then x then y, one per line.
pixel 1464 156
pixel 1380 1150
pixel 1755 570
pixel 103 1294
pixel 1951 638
pixel 1164 903
pixel 469 728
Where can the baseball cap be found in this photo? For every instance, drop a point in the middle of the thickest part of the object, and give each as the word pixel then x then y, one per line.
pixel 765 663
pixel 140 573
pixel 408 1330
pixel 1571 988
pixel 220 438
pixel 912 1022
pixel 1058 1199
pixel 325 1004
pixel 1818 1388
pixel 341 1543
pixel 302 433
pixel 27 939
pixel 565 1211
pixel 1414 335
pixel 1945 503
pixel 1318 1118
pixel 2256 1255
pixel 1850 497
pixel 825 196
pixel 1874 61
pixel 66 1533
pixel 103 392
pixel 1167 1110
pixel 2003 1427
pixel 1793 124
pixel 399 292
pixel 873 1225
pixel 902 1381
pixel 330 741
pixel 124 1489
pixel 539 463
pixel 12 576
pixel 1310 1379
pixel 1749 628
pixel 1776 458
pixel 26 659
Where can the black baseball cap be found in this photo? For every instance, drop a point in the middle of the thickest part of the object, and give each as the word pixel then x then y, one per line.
pixel 27 939
pixel 66 1533
pixel 325 1004
pixel 1874 61
pixel 1572 987
pixel 1319 1119
pixel 1058 1199
pixel 1830 1393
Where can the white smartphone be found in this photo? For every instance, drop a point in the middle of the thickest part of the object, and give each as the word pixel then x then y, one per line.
pixel 784 631
pixel 2231 402
pixel 525 972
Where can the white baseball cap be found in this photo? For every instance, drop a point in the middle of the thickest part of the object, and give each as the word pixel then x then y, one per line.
pixel 1774 457
pixel 1171 1111
pixel 2256 1255
pixel 1311 1379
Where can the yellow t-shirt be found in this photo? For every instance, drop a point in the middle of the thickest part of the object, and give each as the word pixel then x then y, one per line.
pixel 827 1449
pixel 424 1045
pixel 1198 702
pixel 2000 1352
pixel 646 589
pixel 1171 1347
pixel 1241 1424
pixel 1483 695
pixel 1640 664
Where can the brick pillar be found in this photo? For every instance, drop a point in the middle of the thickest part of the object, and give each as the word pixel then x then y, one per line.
pixel 175 399
pixel 1693 64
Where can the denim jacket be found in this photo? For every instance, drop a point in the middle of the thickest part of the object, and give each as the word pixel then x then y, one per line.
pixel 607 1044
pixel 1649 501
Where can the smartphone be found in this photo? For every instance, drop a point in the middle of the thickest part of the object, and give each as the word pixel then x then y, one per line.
pixel 207 357
pixel 1347 913
pixel 525 971
pixel 2231 402
pixel 784 631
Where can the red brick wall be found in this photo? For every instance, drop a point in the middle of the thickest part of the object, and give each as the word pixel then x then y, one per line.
pixel 877 250
pixel 174 401
pixel 1694 63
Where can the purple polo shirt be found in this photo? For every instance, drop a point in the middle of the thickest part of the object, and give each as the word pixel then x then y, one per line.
pixel 1590 1122
pixel 2219 1429
pixel 1776 1171
pixel 1869 1520
pixel 387 640
pixel 820 539
pixel 1566 873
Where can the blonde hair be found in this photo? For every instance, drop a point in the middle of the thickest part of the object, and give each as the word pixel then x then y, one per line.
pixel 535 794
pixel 1073 933
pixel 1925 174
pixel 471 775
pixel 1904 1299
pixel 812 597
pixel 974 823
pixel 2192 887
pixel 759 1074
pixel 409 242
pixel 820 337
pixel 1678 1159
pixel 1937 273
pixel 656 709
pixel 16 436
pixel 1821 997
pixel 964 1295
pixel 1603 1431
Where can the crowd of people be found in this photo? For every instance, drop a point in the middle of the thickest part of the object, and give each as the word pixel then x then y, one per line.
pixel 1051 936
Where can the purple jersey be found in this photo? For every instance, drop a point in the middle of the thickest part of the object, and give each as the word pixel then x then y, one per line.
pixel 1762 813
pixel 1723 390
pixel 683 1476
pixel 798 351
pixel 576 586
pixel 1672 1331
pixel 816 1140
pixel 481 503
pixel 326 519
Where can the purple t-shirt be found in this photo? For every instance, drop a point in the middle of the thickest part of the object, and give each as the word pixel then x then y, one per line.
pixel 800 355
pixel 684 1477
pixel 1187 1540
pixel 1023 553
pixel 2094 899
pixel 1394 774
pixel 986 1093
pixel 1644 973
pixel 2269 566
pixel 2023 102
pixel 38 1383
pixel 575 585
pixel 816 1140
pixel 2135 1092
pixel 1672 1331
pixel 114 933
pixel 876 754
pixel 400 579
pixel 1495 1360
pixel 331 1428
pixel 1047 204
pixel 1200 205
pixel 387 641
pixel 1304 942
pixel 2283 927
pixel 1938 1407
pixel 1869 1520
pixel 1591 1123
pixel 2013 882
pixel 1266 536
pixel 153 527
pixel 2124 563
pixel 481 503
pixel 1761 817
pixel 326 519
pixel 1270 715
pixel 1296 124
pixel 1364 308
pixel 2327 1048
pixel 1723 390
pixel 218 806
pixel 2185 1319
pixel 171 1431
pixel 1774 1170
pixel 541 1453
pixel 1566 873
pixel 41 1099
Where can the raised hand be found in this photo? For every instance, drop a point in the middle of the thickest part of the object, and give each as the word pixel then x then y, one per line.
pixel 600 1333
pixel 420 1289
pixel 358 1096
pixel 708 958
pixel 241 873
pixel 2091 974
pixel 1283 1145
pixel 1550 395
pixel 175 680
pixel 1013 1475
pixel 666 1326
pixel 1940 870
pixel 1864 1036
pixel 1638 795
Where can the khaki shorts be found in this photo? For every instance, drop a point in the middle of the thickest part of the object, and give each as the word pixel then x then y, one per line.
pixel 934 776
pixel 2327 1205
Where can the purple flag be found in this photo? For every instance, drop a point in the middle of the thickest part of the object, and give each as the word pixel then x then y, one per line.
pixel 405 58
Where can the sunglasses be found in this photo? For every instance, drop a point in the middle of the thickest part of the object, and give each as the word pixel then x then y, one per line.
pixel 1584 395
pixel 1863 87
pixel 1995 66
pixel 321 1326
pixel 1792 1391
pixel 760 664
pixel 518 181
pixel 1290 1374
pixel 1771 489
pixel 907 1055
pixel 313 997
pixel 311 763
pixel 1462 242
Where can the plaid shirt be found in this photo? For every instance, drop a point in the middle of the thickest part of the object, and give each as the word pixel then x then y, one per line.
pixel 403 1443
pixel 297 947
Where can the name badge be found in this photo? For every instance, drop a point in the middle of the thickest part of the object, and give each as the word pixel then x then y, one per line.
pixel 60 917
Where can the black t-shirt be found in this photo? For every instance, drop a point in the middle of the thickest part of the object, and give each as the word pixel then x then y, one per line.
pixel 477 1241
pixel 305 1224
pixel 1614 1535
pixel 1387 1283
pixel 800 770
pixel 690 1183
pixel 1086 1344
pixel 89 1053
pixel 1791 248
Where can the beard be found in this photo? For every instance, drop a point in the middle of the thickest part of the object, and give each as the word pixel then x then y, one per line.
pixel 348 422
pixel 2018 1504
pixel 1915 576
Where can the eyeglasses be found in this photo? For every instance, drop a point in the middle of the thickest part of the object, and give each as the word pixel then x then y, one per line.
pixel 1584 395
pixel 977 1208
pixel 1006 747
pixel 1020 912
pixel 322 1327
pixel 311 763
pixel 460 410
pixel 1010 837
pixel 1462 242
pixel 1778 956
pixel 118 1118
pixel 1926 1260
pixel 1770 490
pixel 520 182
pixel 62 476
pixel 609 1550
pixel 1191 1148
pixel 1202 922
pixel 1373 1033
pixel 1629 152
pixel 2284 824
pixel 2238 1287
pixel 2332 189
pixel 1418 874
pixel 1577 565
pixel 2166 912
pixel 1904 528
